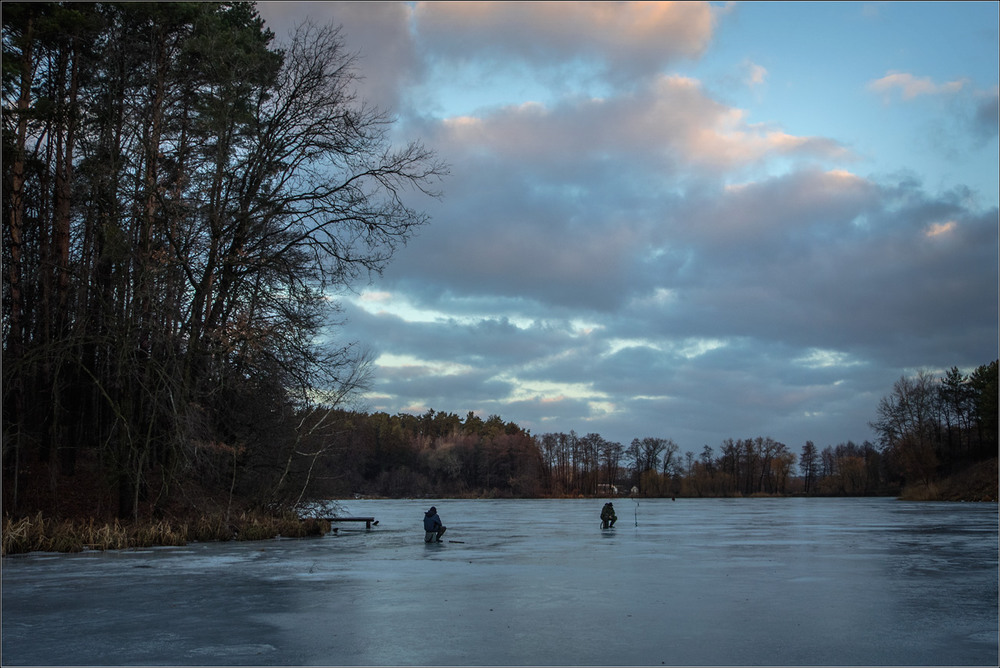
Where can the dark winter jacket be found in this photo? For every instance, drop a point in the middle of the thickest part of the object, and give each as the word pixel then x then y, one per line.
pixel 432 521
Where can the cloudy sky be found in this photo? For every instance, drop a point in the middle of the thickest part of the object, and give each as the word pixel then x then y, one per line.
pixel 690 221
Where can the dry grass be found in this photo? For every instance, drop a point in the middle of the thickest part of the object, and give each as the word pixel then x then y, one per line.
pixel 921 492
pixel 978 482
pixel 40 534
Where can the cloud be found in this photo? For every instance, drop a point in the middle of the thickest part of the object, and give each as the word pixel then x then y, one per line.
pixel 985 124
pixel 941 229
pixel 783 212
pixel 669 122
pixel 378 33
pixel 630 38
pixel 910 86
pixel 756 75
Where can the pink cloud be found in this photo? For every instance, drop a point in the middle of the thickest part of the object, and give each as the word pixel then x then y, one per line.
pixel 672 121
pixel 637 36
pixel 911 86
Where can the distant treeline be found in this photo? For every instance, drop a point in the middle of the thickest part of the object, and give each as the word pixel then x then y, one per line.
pixel 928 429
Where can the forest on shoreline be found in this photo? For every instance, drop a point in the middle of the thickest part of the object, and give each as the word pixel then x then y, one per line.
pixel 177 221
pixel 934 445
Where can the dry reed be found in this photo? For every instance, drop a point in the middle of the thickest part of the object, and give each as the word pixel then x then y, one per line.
pixel 40 534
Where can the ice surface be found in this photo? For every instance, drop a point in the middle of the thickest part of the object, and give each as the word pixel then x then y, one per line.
pixel 537 582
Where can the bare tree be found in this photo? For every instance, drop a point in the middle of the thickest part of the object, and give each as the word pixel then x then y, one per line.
pixel 907 425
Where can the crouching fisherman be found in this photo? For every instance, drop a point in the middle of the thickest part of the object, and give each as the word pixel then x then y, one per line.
pixel 433 529
pixel 608 517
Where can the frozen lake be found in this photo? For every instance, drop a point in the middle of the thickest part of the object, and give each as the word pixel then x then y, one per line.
pixel 537 582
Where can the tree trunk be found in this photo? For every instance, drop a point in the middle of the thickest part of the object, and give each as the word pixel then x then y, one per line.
pixel 13 352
